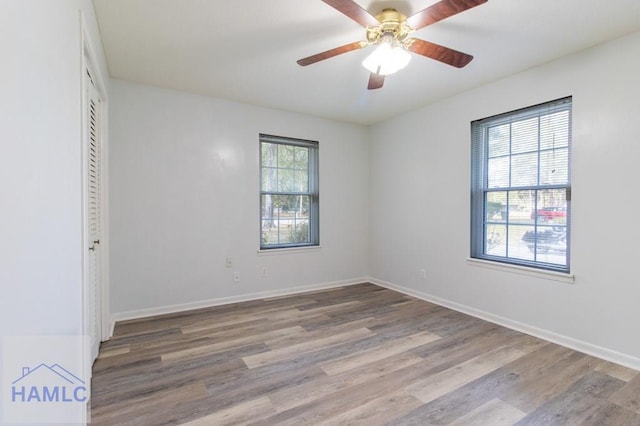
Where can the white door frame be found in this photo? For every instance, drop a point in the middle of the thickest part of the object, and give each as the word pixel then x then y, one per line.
pixel 88 61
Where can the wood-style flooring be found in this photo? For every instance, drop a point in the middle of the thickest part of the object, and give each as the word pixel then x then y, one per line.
pixel 360 354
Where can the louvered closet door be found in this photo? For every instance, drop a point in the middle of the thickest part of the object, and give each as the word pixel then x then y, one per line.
pixel 93 217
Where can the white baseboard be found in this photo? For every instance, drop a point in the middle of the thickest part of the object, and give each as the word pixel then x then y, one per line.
pixel 170 309
pixel 569 342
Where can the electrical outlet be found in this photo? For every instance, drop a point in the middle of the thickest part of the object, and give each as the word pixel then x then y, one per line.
pixel 263 271
pixel 423 274
pixel 229 262
pixel 236 277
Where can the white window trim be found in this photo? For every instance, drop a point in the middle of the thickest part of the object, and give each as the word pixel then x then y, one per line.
pixel 562 277
pixel 288 250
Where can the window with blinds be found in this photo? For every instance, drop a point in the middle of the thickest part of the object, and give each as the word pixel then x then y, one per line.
pixel 289 196
pixel 521 187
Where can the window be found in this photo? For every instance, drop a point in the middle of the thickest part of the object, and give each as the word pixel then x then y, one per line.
pixel 521 187
pixel 288 192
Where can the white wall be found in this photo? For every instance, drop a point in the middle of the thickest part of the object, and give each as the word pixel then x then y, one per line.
pixel 394 199
pixel 420 201
pixel 184 196
pixel 40 165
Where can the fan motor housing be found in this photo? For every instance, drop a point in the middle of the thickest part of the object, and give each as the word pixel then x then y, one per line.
pixel 391 22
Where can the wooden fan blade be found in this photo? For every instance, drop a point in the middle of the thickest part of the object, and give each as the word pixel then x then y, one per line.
pixel 331 53
pixel 354 11
pixel 439 53
pixel 439 11
pixel 375 81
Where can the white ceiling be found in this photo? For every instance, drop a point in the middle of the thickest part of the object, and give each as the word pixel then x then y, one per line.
pixel 246 50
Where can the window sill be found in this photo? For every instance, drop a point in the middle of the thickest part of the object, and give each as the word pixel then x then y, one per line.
pixel 523 270
pixel 288 250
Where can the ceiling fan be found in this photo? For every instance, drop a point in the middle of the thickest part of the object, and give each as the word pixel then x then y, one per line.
pixel 389 31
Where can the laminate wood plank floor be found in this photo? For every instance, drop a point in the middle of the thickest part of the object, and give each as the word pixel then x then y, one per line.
pixel 353 355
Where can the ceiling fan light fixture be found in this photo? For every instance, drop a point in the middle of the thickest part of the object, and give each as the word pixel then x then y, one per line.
pixel 389 32
pixel 387 59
